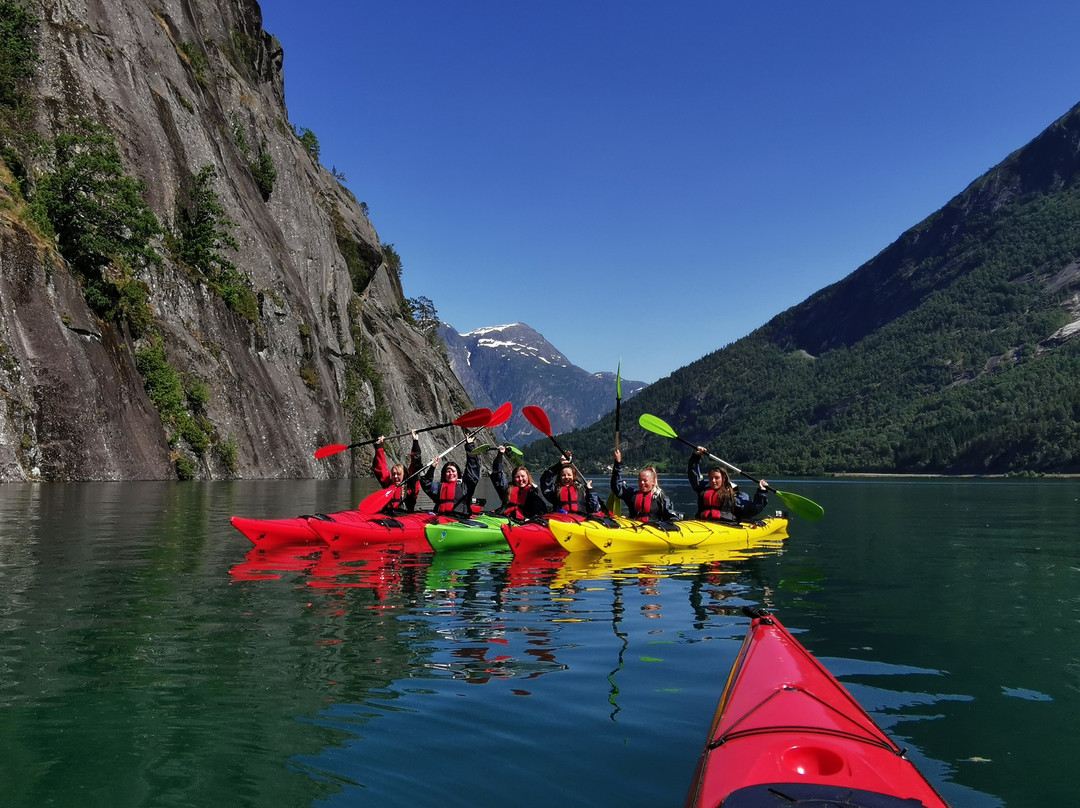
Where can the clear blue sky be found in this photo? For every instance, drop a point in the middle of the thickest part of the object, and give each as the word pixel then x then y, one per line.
pixel 651 181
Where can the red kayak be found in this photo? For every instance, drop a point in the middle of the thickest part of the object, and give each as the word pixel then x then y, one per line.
pixel 405 532
pixel 787 733
pixel 276 532
pixel 534 536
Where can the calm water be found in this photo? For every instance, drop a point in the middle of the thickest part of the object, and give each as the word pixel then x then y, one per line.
pixel 147 658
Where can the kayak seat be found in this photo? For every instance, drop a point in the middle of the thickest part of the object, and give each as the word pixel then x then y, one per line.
pixel 808 795
pixel 389 522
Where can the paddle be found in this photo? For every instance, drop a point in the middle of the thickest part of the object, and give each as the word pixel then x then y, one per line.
pixel 473 419
pixel 799 505
pixel 487 447
pixel 373 503
pixel 614 504
pixel 539 419
pixel 500 416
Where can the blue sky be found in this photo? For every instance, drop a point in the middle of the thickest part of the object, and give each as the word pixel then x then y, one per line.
pixel 652 181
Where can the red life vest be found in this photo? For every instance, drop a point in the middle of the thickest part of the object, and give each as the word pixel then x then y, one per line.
pixel 712 505
pixel 568 499
pixel 642 506
pixel 447 498
pixel 517 496
pixel 394 503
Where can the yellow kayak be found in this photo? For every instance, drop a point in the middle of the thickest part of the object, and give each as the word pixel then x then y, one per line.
pixel 617 534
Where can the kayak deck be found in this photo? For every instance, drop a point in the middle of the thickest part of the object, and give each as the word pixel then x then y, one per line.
pixel 482 530
pixel 618 534
pixel 788 733
pixel 535 536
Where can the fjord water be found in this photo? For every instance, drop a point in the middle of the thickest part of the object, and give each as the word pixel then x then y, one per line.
pixel 149 658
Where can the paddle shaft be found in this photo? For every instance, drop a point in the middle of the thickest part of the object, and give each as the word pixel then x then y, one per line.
pixel 399 435
pixel 725 463
pixel 377 499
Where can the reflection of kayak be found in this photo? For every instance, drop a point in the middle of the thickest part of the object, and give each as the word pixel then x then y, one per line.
pixel 788 733
pixel 617 534
pixel 406 532
pixel 598 566
pixel 268 563
pixel 456 568
pixel 481 530
pixel 535 535
pixel 534 569
pixel 382 568
pixel 266 532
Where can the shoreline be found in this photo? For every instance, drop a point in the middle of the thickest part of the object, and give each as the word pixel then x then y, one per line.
pixel 1018 475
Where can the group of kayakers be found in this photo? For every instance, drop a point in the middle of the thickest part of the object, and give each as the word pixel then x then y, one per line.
pixel 561 488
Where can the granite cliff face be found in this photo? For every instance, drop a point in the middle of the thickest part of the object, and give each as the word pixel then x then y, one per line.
pixel 332 354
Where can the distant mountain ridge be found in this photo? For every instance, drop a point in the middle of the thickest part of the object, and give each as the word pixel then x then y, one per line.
pixel 516 363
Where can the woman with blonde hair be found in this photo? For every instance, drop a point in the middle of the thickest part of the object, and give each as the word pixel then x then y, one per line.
pixel 646 503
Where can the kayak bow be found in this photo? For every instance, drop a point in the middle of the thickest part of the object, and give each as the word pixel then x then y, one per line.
pixel 787 733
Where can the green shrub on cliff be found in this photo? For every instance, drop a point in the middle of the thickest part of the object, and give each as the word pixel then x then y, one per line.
pixel 18 55
pixel 102 226
pixel 202 231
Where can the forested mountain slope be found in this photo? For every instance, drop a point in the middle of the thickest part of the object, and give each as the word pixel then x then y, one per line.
pixel 954 350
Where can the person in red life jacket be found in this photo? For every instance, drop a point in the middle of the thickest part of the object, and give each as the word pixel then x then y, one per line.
pixel 453 493
pixel 521 499
pixel 647 502
pixel 403 501
pixel 717 497
pixel 566 491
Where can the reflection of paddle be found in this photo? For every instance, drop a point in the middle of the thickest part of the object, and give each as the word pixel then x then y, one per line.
pixel 614 504
pixel 801 506
pixel 373 503
pixel 473 419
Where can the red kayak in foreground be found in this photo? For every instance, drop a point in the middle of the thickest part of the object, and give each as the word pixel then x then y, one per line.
pixel 787 733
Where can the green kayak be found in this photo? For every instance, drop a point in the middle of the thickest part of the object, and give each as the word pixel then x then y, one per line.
pixel 482 530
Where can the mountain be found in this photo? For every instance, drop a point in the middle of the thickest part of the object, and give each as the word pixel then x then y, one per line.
pixel 516 363
pixel 186 291
pixel 954 350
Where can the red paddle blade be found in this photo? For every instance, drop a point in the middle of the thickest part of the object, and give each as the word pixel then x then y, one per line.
pixel 474 418
pixel 373 503
pixel 538 418
pixel 501 415
pixel 332 449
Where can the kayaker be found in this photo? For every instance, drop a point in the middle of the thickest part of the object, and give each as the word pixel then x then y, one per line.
pixel 521 499
pixel 717 497
pixel 453 493
pixel 566 491
pixel 647 502
pixel 402 501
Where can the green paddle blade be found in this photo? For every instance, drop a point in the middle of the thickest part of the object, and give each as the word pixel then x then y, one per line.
pixel 483 447
pixel 656 425
pixel 801 506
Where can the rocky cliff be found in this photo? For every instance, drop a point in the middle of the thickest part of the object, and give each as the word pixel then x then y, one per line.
pixel 328 353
